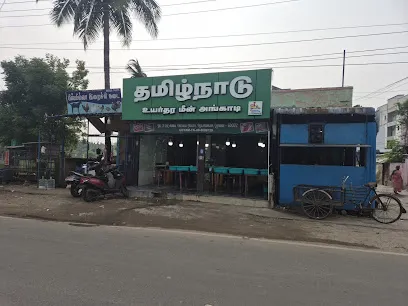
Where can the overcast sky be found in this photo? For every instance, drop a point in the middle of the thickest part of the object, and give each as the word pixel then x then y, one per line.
pixel 283 17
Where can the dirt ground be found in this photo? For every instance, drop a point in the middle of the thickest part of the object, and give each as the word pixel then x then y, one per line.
pixel 59 205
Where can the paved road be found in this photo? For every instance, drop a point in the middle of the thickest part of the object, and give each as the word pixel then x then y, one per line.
pixel 46 263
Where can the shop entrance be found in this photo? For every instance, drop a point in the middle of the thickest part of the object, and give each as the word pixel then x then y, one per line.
pixel 211 164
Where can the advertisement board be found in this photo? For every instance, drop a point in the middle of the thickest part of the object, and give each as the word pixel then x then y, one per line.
pixel 88 102
pixel 249 127
pixel 225 95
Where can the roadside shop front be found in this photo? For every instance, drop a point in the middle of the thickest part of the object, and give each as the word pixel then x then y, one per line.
pixel 318 147
pixel 203 133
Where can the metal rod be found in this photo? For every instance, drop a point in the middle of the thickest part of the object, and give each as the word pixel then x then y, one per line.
pixel 269 166
pixel 38 157
pixel 118 151
pixel 62 166
pixel 87 142
pixel 344 67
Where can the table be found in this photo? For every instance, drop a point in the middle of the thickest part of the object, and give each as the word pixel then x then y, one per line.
pixel 246 181
pixel 217 177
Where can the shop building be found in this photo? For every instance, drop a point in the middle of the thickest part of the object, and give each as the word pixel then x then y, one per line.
pixel 224 136
pixel 321 147
pixel 203 133
pixel 389 128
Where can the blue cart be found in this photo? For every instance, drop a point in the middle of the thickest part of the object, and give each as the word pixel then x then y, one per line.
pixel 316 149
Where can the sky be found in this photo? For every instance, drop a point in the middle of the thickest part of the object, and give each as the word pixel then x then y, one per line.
pixel 273 50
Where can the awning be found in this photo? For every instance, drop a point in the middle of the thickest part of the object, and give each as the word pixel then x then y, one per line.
pixel 324 145
pixel 324 110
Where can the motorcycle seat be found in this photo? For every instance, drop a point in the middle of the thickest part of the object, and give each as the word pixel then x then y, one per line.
pixel 103 178
pixel 77 173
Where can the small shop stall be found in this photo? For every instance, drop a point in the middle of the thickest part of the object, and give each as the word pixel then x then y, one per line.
pixel 201 133
pixel 323 147
pixel 22 161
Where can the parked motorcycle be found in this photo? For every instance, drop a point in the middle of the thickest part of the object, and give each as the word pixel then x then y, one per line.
pixel 112 182
pixel 74 179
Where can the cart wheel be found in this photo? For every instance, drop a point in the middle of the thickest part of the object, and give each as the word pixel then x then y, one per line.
pixel 317 204
pixel 386 208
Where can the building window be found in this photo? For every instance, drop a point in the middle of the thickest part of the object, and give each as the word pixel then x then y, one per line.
pixel 316 133
pixel 398 128
pixel 391 130
pixel 324 156
pixel 392 116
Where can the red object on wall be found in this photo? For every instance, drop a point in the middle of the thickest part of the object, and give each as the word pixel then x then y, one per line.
pixel 7 158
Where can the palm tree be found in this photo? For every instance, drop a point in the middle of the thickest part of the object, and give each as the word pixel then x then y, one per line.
pixel 91 17
pixel 134 68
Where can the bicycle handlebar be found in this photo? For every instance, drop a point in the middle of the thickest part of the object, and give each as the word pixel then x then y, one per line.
pixel 344 181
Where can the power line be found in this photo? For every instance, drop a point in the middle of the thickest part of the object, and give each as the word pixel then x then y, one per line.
pixel 26 1
pixel 382 89
pixel 386 91
pixel 260 67
pixel 185 13
pixel 403 89
pixel 26 10
pixel 1 6
pixel 311 66
pixel 235 35
pixel 252 61
pixel 162 5
pixel 269 63
pixel 278 58
pixel 212 47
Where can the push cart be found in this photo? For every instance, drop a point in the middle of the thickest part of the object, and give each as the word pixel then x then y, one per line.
pixel 318 202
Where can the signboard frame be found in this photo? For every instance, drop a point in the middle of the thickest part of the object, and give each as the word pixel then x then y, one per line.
pixel 213 127
pixel 88 102
pixel 235 95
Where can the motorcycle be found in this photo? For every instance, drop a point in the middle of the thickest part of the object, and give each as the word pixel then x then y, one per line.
pixel 112 182
pixel 74 179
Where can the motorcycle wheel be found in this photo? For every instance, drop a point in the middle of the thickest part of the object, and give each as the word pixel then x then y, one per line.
pixel 124 191
pixel 91 195
pixel 75 191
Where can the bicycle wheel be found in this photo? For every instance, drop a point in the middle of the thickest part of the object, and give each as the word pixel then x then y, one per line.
pixel 387 208
pixel 317 204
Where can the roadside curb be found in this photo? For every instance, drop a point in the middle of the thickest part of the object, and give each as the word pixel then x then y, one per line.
pixel 323 242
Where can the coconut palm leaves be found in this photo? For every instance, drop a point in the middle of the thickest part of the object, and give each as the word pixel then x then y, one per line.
pixel 133 67
pixel 90 16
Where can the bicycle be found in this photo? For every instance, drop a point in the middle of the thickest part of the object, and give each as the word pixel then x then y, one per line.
pixel 318 202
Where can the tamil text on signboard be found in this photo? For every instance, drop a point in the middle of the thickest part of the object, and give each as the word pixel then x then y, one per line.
pixel 249 127
pixel 104 101
pixel 227 95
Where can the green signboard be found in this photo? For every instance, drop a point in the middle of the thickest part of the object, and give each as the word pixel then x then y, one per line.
pixel 249 127
pixel 226 95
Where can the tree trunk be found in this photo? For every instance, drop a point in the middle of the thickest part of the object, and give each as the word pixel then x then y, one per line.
pixel 106 71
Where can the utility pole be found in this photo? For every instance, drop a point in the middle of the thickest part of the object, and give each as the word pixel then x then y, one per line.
pixel 344 66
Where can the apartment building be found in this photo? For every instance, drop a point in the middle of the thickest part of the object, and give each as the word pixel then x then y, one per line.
pixel 388 122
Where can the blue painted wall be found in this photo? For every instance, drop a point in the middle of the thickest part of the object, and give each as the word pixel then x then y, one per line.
pixel 294 133
pixel 292 175
pixel 334 133
pixel 338 133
